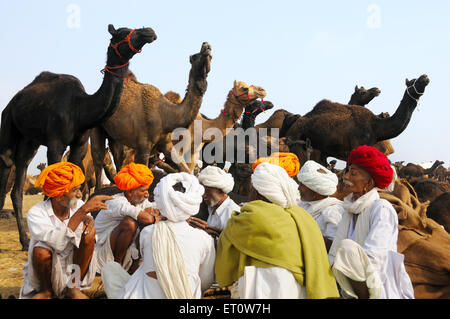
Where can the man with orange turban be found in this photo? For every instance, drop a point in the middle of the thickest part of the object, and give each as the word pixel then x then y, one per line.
pixel 288 161
pixel 62 236
pixel 363 254
pixel 118 226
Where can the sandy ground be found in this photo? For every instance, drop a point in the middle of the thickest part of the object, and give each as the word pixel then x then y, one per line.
pixel 12 258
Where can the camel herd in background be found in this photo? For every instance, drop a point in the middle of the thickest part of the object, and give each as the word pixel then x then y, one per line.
pixel 138 123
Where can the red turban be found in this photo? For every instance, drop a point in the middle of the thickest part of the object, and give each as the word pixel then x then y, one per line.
pixel 288 161
pixel 133 176
pixel 374 162
pixel 59 178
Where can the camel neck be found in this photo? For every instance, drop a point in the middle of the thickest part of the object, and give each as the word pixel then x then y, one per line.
pixel 390 127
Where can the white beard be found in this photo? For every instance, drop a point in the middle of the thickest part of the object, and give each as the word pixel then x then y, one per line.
pixel 73 203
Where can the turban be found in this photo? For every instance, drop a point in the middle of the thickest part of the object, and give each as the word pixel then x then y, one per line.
pixel 272 182
pixel 133 176
pixel 59 178
pixel 317 178
pixel 175 205
pixel 374 162
pixel 288 161
pixel 213 176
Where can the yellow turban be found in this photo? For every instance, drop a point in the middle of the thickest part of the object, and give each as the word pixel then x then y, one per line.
pixel 59 178
pixel 288 161
pixel 133 176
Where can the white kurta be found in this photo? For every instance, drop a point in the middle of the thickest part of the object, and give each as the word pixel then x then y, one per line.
pixel 107 220
pixel 49 232
pixel 199 255
pixel 222 214
pixel 327 218
pixel 380 246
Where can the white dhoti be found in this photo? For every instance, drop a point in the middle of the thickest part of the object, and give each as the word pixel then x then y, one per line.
pixel 105 254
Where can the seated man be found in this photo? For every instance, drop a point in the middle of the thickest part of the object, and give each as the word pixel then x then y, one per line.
pixel 217 184
pixel 118 226
pixel 364 255
pixel 62 236
pixel 178 260
pixel 273 248
pixel 316 184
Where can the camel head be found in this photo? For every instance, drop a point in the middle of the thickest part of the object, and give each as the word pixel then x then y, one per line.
pixel 200 67
pixel 361 96
pixel 416 87
pixel 127 42
pixel 246 94
pixel 257 107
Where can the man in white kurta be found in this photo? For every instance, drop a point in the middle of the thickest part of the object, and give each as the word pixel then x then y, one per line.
pixel 118 226
pixel 217 184
pixel 61 256
pixel 178 260
pixel 316 184
pixel 364 255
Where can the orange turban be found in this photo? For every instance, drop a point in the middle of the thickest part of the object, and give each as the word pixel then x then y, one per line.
pixel 288 161
pixel 59 178
pixel 133 176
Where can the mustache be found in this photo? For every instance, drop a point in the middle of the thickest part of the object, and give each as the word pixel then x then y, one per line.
pixel 347 182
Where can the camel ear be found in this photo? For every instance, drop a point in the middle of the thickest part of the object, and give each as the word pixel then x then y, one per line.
pixel 356 88
pixel 234 83
pixel 406 81
pixel 112 30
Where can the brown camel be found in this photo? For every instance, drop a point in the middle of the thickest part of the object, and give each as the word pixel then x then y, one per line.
pixel 362 97
pixel 439 210
pixel 427 189
pixel 144 116
pixel 412 172
pixel 54 110
pixel 238 98
pixel 335 129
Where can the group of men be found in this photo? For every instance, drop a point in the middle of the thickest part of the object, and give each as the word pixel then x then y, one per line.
pixel 292 239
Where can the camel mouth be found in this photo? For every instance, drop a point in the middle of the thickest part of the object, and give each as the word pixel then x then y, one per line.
pixel 148 35
pixel 376 92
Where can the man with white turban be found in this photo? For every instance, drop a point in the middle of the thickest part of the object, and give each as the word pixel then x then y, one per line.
pixel 273 248
pixel 178 260
pixel 316 184
pixel 217 184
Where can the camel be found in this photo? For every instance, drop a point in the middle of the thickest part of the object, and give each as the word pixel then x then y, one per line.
pixel 362 97
pixel 238 98
pixel 144 116
pixel 439 210
pixel 427 189
pixel 412 172
pixel 54 110
pixel 335 129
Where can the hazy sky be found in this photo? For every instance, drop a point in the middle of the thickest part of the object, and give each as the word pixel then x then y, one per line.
pixel 299 51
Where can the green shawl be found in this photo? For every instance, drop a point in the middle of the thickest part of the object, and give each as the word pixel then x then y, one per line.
pixel 267 235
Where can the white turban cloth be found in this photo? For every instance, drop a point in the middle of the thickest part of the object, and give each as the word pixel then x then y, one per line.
pixel 213 176
pixel 178 206
pixel 272 182
pixel 318 178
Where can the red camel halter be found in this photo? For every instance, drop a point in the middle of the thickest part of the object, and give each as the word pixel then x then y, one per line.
pixel 115 47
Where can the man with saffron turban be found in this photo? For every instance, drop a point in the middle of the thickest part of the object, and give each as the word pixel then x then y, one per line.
pixel 178 260
pixel 364 255
pixel 316 184
pixel 118 226
pixel 217 184
pixel 62 236
pixel 273 248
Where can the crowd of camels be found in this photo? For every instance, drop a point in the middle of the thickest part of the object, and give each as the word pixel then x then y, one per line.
pixel 126 120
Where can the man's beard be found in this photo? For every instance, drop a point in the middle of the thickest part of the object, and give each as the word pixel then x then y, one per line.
pixel 212 202
pixel 347 183
pixel 73 203
pixel 136 200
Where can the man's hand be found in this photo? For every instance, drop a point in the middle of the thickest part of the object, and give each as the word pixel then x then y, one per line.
pixel 96 203
pixel 201 224
pixel 88 222
pixel 213 231
pixel 149 216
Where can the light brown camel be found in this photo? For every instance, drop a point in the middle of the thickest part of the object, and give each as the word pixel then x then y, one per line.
pixel 144 116
pixel 237 99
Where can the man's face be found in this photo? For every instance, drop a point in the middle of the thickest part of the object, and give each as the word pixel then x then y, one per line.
pixel 71 198
pixel 212 196
pixel 356 180
pixel 306 194
pixel 138 195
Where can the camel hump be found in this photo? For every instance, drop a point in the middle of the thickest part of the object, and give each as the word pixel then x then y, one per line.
pixel 53 79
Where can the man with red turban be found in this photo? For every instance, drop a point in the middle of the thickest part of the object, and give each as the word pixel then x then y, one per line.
pixel 118 226
pixel 364 255
pixel 62 236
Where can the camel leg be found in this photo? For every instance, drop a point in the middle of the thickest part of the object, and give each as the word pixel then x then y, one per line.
pixel 55 151
pixel 4 176
pixel 98 154
pixel 118 152
pixel 26 150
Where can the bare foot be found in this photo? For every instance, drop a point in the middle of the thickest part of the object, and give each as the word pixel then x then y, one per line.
pixel 75 293
pixel 46 294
